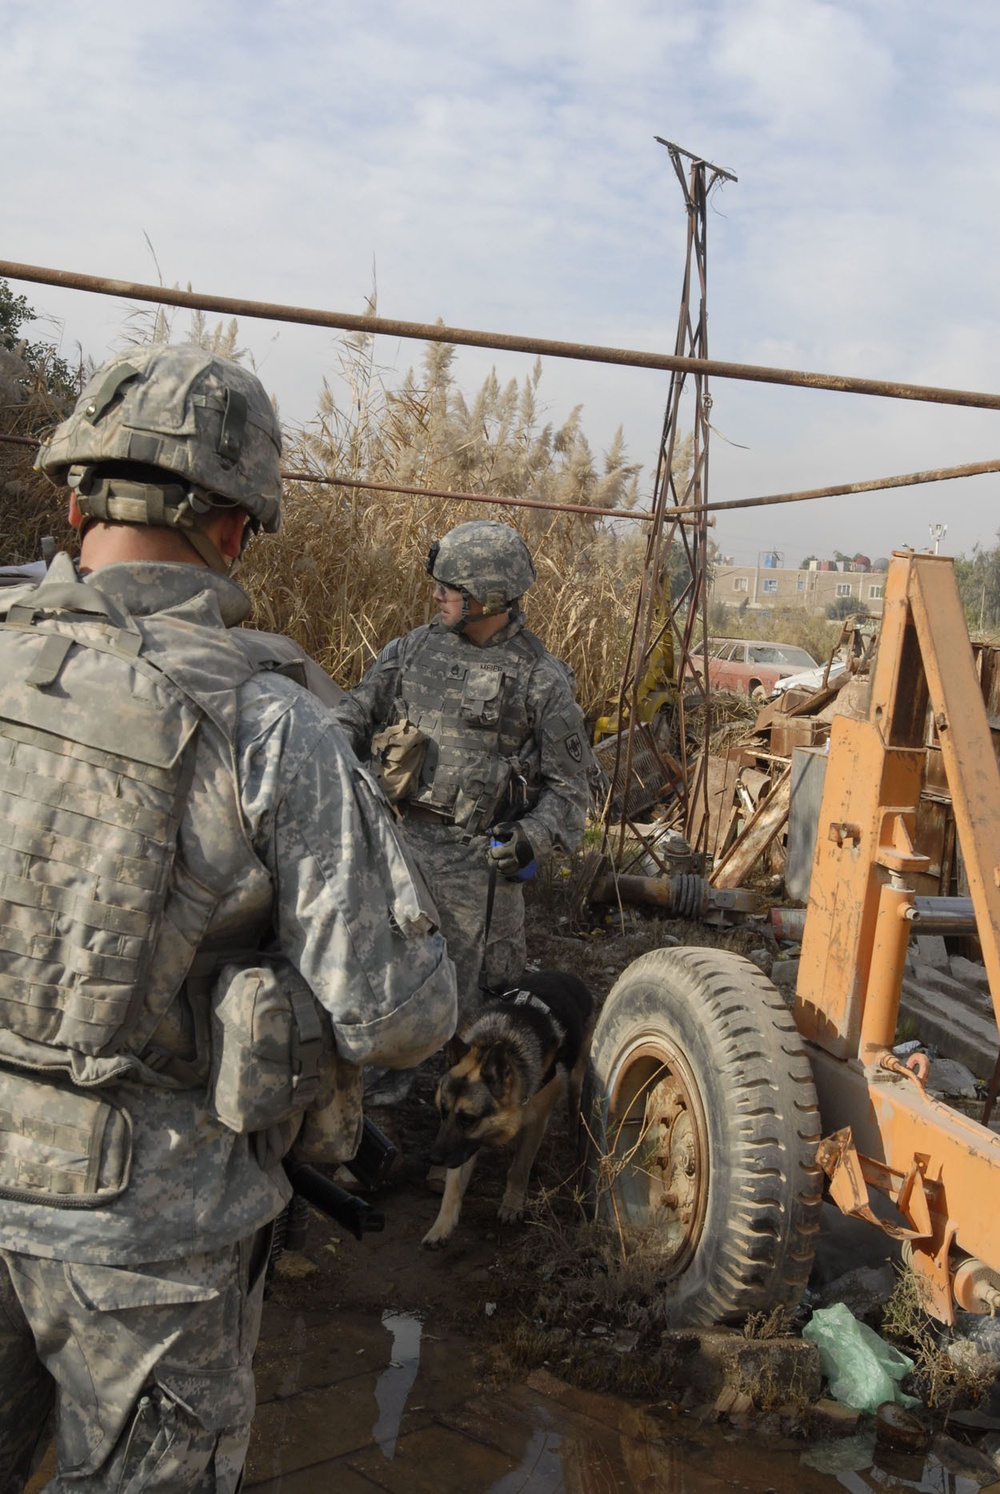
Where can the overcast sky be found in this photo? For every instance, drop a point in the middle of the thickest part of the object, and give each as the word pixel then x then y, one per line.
pixel 495 165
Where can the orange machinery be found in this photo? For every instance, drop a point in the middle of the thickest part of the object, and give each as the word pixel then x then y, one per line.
pixel 939 1168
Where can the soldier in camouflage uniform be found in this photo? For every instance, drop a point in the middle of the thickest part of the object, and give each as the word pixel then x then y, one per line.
pixel 475 730
pixel 207 926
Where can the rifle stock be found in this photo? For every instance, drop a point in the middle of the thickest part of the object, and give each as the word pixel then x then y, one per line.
pixel 370 1165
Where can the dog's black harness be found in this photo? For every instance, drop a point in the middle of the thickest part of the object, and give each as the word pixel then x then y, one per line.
pixel 516 997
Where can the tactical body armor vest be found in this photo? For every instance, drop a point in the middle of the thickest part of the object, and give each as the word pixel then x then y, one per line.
pixel 481 764
pixel 115 733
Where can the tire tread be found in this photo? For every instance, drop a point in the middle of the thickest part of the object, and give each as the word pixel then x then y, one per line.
pixel 771 1125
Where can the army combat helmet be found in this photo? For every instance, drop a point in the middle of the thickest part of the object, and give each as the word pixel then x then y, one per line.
pixel 485 560
pixel 164 434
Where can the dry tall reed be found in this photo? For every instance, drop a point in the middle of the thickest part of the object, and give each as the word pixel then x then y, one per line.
pixel 346 573
pixel 30 505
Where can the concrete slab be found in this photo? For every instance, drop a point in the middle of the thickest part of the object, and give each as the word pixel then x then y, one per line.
pixel 955 1023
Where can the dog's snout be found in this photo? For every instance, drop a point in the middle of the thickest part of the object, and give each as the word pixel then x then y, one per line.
pixel 448 1150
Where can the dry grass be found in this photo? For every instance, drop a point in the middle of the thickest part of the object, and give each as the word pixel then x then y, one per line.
pixel 944 1382
pixel 346 573
pixel 31 506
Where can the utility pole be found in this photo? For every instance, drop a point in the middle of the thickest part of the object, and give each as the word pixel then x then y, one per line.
pixel 670 604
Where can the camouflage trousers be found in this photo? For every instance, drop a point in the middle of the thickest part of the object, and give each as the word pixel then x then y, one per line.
pixel 458 877
pixel 149 1369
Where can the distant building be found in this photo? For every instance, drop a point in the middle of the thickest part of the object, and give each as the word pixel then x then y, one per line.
pixel 815 588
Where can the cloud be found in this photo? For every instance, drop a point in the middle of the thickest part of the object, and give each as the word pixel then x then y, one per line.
pixel 496 166
pixel 802 69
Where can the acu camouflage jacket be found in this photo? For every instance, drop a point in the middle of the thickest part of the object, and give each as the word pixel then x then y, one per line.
pixel 281 836
pixel 507 740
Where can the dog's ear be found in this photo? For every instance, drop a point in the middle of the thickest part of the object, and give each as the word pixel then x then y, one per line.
pixel 495 1071
pixel 456 1050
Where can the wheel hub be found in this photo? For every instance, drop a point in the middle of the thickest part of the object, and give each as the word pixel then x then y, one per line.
pixel 660 1148
pixel 673 1163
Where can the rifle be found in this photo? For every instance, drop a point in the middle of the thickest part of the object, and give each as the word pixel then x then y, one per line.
pixel 370 1164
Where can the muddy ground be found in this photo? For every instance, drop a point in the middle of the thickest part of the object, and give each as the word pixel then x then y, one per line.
pixel 532 1293
pixel 548 1296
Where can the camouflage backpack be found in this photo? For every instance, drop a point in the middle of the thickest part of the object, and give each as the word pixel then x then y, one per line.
pixel 100 920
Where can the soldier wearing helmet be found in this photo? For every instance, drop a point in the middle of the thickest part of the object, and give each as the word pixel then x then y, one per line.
pixel 486 563
pixel 187 842
pixel 475 731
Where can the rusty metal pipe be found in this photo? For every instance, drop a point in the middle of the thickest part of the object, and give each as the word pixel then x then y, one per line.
pixel 654 892
pixel 845 489
pixel 503 501
pixel 683 515
pixel 503 342
pixel 942 915
pixel 685 894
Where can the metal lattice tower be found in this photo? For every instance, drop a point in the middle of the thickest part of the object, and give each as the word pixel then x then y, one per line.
pixel 673 592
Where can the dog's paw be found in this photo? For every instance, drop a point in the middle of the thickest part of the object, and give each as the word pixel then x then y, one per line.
pixel 436 1239
pixel 511 1211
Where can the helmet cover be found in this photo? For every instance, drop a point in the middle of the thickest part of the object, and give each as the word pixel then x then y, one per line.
pixel 487 559
pixel 182 410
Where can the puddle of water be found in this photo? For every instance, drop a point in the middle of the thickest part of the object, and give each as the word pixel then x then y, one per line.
pixel 435 1430
pixel 540 1470
pixel 859 1465
pixel 396 1381
pixel 289 1382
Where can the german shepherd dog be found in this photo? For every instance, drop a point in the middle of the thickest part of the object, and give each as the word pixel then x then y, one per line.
pixel 507 1071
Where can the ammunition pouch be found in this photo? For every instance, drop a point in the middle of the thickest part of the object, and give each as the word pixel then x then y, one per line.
pixel 274 1061
pixel 482 794
pixel 66 1147
pixel 398 755
pixel 331 1133
pixel 268 1042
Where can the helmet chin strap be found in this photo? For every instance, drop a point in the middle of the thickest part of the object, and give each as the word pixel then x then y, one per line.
pixel 463 622
pixel 212 557
pixel 465 619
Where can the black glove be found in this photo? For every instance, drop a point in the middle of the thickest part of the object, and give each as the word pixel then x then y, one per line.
pixel 510 850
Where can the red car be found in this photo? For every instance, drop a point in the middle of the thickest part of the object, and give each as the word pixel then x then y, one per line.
pixel 749 666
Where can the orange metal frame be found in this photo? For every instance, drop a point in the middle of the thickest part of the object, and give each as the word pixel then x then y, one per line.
pixel 939 1168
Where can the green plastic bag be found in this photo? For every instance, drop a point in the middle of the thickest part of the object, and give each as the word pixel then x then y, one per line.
pixel 862 1369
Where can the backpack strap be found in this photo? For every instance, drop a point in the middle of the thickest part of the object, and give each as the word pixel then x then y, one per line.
pixel 84 602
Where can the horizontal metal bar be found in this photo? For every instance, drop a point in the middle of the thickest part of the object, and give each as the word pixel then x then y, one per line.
pixel 502 342
pixel 504 502
pixel 687 514
pixel 942 915
pixel 873 485
pixel 678 150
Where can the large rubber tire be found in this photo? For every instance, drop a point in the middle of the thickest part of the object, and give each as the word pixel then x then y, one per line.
pixel 704 1124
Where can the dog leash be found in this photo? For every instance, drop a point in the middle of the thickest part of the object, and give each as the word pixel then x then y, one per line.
pixel 485 989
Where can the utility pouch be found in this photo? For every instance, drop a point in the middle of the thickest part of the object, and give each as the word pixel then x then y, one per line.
pixel 65 1147
pixel 482 695
pixel 271 1042
pixel 398 755
pixel 482 792
pixel 330 1130
pixel 331 1133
